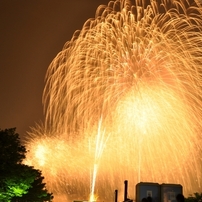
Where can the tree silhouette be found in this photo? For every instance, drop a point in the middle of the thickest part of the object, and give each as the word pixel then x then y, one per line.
pixel 18 182
pixel 196 197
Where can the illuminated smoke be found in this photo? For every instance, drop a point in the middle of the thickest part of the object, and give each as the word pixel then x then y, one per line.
pixel 123 101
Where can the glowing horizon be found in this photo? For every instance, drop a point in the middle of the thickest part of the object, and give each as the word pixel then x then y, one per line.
pixel 123 102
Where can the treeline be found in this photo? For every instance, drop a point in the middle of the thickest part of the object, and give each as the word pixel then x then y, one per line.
pixel 19 182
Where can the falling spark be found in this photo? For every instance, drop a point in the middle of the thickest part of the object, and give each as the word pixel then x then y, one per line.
pixel 100 143
pixel 138 66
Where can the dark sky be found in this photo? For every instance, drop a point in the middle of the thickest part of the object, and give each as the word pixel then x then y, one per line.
pixel 32 32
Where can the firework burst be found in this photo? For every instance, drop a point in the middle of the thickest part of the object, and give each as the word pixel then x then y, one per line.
pixel 123 101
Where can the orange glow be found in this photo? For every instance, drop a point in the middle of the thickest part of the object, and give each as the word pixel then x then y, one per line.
pixel 123 102
pixel 40 154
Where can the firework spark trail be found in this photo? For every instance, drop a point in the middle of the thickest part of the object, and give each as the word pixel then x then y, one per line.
pixel 101 141
pixel 138 67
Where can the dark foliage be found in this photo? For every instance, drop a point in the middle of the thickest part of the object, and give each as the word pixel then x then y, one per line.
pixel 11 150
pixel 196 197
pixel 18 182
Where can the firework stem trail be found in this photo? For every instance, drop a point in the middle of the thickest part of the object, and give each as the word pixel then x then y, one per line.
pixel 99 147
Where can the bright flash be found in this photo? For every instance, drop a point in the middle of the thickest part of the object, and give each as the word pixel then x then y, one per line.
pixel 123 101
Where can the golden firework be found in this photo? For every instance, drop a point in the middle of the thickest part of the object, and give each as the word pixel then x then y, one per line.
pixel 123 101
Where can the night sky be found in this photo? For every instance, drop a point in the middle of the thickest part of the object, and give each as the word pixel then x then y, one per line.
pixel 32 32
